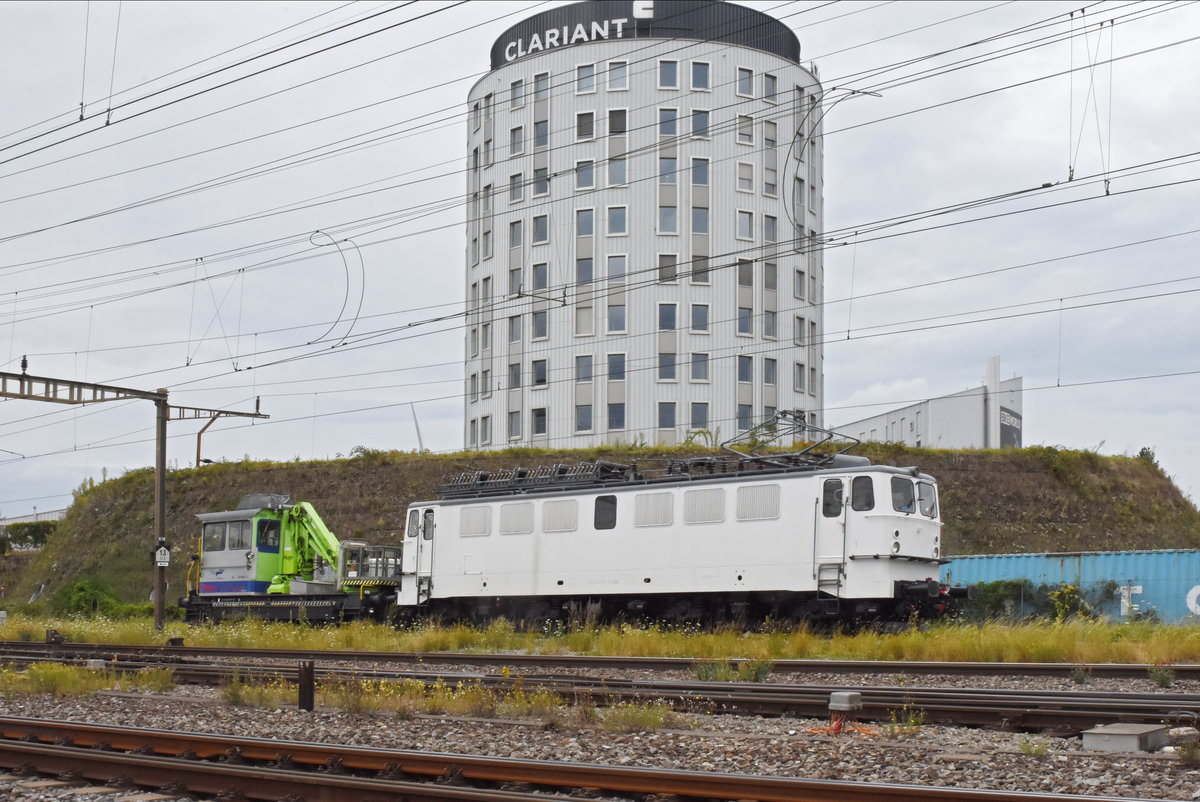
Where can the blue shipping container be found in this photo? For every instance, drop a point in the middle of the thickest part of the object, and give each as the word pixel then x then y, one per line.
pixel 1118 584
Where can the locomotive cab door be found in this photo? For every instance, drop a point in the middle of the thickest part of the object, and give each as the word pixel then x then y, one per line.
pixel 228 564
pixel 829 536
pixel 417 559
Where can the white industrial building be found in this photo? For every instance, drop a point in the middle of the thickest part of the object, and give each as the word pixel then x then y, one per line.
pixel 644 192
pixel 980 417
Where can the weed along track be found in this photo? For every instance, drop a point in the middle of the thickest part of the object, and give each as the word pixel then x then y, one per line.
pixel 368 681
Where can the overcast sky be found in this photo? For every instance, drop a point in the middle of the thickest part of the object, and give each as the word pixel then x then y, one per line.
pixel 231 220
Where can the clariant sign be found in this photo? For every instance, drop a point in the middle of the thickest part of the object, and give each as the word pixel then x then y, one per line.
pixel 557 37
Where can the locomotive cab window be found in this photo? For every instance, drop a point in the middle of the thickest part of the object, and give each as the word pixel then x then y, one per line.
pixel 414 523
pixel 427 526
pixel 268 536
pixel 903 498
pixel 831 498
pixel 606 512
pixel 927 499
pixel 214 537
pixel 862 494
pixel 239 534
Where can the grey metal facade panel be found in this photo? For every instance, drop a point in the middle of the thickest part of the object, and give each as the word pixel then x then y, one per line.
pixel 703 20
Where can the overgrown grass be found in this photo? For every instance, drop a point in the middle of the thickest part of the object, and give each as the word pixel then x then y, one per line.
pixel 60 679
pixel 1073 641
pixel 724 671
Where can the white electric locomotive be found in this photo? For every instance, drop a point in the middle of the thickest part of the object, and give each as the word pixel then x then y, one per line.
pixel 800 536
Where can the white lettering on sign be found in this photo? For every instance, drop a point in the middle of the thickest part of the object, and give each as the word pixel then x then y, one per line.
pixel 1128 608
pixel 1008 419
pixel 1193 600
pixel 566 35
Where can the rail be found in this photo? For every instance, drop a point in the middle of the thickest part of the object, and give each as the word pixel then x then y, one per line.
pixel 273 769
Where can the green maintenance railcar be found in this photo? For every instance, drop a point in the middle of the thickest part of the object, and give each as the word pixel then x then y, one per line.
pixel 277 560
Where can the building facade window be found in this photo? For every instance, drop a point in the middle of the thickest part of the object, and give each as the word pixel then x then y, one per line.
pixel 666 366
pixel 668 122
pixel 700 75
pixel 618 75
pixel 616 269
pixel 745 82
pixel 668 267
pixel 616 221
pixel 699 415
pixel 743 417
pixel 616 318
pixel 745 225
pixel 537 421
pixel 700 172
pixel 666 414
pixel 516 94
pixel 745 129
pixel 699 367
pixel 616 417
pixel 541 229
pixel 616 367
pixel 700 318
pixel 585 175
pixel 585 78
pixel 541 181
pixel 538 373
pixel 745 320
pixel 541 86
pixel 583 368
pixel 666 317
pixel 585 126
pixel 616 122
pixel 668 74
pixel 699 123
pixel 667 169
pixel 616 172
pixel 745 177
pixel 516 141
pixel 583 222
pixel 583 417
pixel 668 220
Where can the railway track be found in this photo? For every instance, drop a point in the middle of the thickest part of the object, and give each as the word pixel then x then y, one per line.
pixel 1058 712
pixel 180 652
pixel 268 769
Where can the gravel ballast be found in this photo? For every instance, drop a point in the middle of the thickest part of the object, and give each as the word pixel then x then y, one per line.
pixel 925 755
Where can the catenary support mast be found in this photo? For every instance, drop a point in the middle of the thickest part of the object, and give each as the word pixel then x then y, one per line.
pixel 66 391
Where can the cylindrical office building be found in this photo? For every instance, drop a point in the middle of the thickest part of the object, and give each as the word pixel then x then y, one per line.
pixel 644 192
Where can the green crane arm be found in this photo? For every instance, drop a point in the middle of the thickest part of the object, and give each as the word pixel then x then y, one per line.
pixel 319 541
